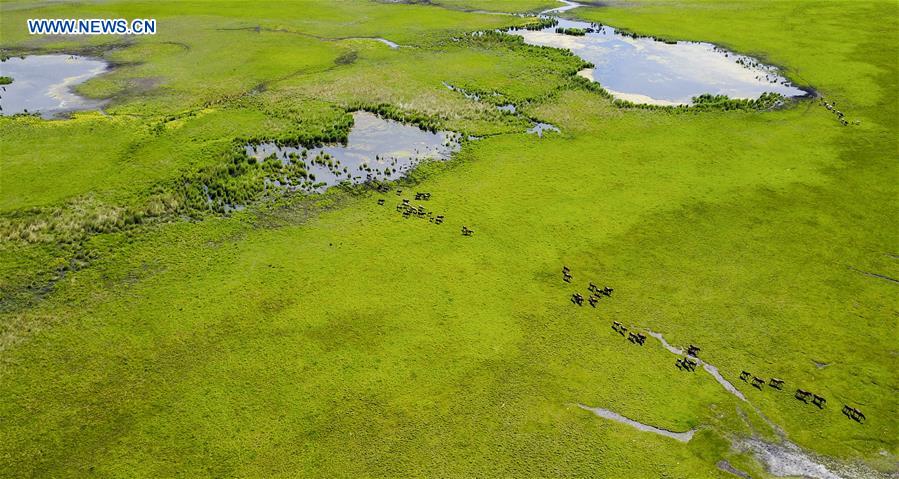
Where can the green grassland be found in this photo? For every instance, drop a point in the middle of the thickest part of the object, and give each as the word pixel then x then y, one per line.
pixel 141 335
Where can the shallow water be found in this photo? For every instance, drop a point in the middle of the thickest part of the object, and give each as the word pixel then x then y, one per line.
pixel 614 416
pixel 645 70
pixel 540 128
pixel 376 149
pixel 387 42
pixel 43 84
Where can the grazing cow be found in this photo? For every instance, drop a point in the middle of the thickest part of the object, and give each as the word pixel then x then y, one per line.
pixel 593 300
pixel 744 375
pixel 381 202
pixel 607 291
pixel 405 202
pixel 776 383
pixel 638 338
pixel 399 192
pixel 577 299
pixel 818 401
pixel 466 231
pixel 693 351
pixel 757 382
pixel 566 277
pixel 565 269
pixel 802 395
pixel 592 287
pixel 383 188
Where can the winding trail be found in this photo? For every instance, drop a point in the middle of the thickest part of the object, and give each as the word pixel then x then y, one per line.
pixel 614 416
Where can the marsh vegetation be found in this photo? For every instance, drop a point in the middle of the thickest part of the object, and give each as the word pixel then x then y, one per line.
pixel 215 275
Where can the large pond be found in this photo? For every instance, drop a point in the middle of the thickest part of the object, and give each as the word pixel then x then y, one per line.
pixel 646 70
pixel 376 149
pixel 43 84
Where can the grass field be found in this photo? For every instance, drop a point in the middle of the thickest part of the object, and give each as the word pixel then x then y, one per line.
pixel 328 336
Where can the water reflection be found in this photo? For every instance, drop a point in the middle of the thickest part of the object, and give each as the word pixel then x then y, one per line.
pixel 376 149
pixel 646 70
pixel 43 84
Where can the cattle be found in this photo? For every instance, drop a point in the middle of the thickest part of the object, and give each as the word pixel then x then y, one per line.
pixel 854 414
pixel 776 383
pixel 636 338
pixel 593 300
pixel 818 401
pixel 757 382
pixel 693 351
pixel 686 364
pixel 744 375
pixel 577 299
pixel 802 395
pixel 381 202
pixel 466 231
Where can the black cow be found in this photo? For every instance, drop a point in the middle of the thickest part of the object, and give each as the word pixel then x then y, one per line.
pixel 818 401
pixel 381 202
pixel 744 375
pixel 802 395
pixel 854 414
pixel 577 299
pixel 693 350
pixel 776 383
pixel 757 382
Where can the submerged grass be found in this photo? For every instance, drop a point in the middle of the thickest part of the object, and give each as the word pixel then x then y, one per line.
pixel 327 335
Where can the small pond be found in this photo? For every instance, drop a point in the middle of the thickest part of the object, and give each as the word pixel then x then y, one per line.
pixel 646 70
pixel 376 149
pixel 43 84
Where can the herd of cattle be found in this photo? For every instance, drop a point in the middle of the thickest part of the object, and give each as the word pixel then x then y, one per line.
pixel 688 363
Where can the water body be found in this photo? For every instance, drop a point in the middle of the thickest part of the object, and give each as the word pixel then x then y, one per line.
pixel 387 42
pixel 539 128
pixel 376 149
pixel 614 416
pixel 645 70
pixel 43 84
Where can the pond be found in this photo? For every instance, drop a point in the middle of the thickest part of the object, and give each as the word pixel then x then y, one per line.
pixel 43 84
pixel 376 149
pixel 646 70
